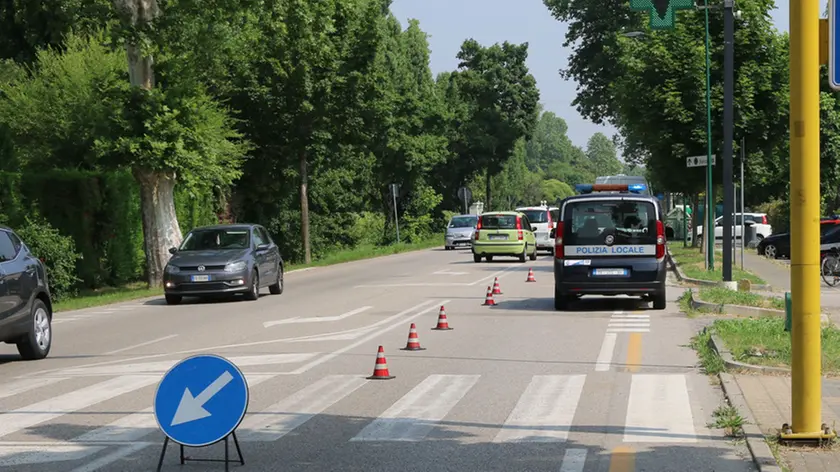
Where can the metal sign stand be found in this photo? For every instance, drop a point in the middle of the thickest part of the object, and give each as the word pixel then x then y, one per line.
pixel 184 458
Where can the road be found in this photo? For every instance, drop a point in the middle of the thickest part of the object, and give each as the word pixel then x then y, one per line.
pixel 610 386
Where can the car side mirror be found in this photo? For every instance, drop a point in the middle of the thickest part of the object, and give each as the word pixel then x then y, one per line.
pixel 533 229
pixel 552 233
pixel 263 247
pixel 173 250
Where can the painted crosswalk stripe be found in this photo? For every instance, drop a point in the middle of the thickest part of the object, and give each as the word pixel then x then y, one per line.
pixel 24 385
pixel 41 412
pixel 606 354
pixel 659 410
pixel 628 330
pixel 414 415
pixel 545 411
pixel 573 460
pixel 284 416
pixel 12 455
pixel 103 461
pixel 137 425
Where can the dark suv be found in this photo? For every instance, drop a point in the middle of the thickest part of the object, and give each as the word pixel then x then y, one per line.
pixel 25 305
pixel 609 241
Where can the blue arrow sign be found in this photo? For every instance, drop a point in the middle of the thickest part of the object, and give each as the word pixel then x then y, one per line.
pixel 833 46
pixel 201 400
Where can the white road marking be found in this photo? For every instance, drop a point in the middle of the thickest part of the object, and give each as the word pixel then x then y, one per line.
pixel 413 416
pixel 402 319
pixel 628 323
pixel 153 341
pixel 573 460
pixel 24 385
pixel 448 284
pixel 659 410
pixel 283 417
pixel 628 330
pixel 448 272
pixel 620 315
pixel 160 367
pixel 545 411
pixel 137 425
pixel 606 354
pixel 37 413
pixel 317 319
pixel 28 454
pixel 120 453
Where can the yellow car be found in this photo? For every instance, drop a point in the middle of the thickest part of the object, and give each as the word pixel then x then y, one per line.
pixel 504 233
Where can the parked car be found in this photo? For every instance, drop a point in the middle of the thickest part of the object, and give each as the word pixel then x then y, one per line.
pixel 459 231
pixel 25 302
pixel 759 221
pixel 224 259
pixel 504 233
pixel 544 218
pixel 778 245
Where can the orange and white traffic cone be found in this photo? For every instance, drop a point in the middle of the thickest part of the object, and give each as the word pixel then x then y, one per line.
pixel 488 300
pixel 380 370
pixel 443 323
pixel 413 343
pixel 497 290
pixel 531 276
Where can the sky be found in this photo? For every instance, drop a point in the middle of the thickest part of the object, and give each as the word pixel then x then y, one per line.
pixel 449 22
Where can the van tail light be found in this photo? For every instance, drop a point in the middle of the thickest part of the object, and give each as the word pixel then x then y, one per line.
pixel 558 241
pixel 519 227
pixel 660 241
pixel 764 219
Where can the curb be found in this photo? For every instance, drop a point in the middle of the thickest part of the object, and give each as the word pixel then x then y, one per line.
pixel 738 310
pixel 757 445
pixel 709 283
pixel 717 345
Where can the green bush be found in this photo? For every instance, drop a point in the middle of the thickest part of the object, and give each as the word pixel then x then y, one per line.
pixel 58 253
pixel 778 214
pixel 368 228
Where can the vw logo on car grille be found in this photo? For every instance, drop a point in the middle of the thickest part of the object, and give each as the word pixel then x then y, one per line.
pixel 609 240
pixel 201 268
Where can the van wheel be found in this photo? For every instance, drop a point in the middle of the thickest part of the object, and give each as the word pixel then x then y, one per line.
pixel 37 342
pixel 561 301
pixel 172 299
pixel 476 258
pixel 659 301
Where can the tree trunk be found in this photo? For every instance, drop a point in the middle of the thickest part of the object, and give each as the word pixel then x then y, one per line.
pixel 488 203
pixel 160 223
pixel 304 208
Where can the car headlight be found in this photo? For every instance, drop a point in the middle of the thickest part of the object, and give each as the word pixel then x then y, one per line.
pixel 237 266
pixel 171 269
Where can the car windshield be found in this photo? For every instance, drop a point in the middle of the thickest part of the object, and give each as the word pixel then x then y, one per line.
pixel 536 216
pixel 463 221
pixel 590 222
pixel 204 239
pixel 498 222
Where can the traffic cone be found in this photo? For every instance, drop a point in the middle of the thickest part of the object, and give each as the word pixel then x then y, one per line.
pixel 442 324
pixel 531 276
pixel 488 300
pixel 413 343
pixel 380 370
pixel 497 290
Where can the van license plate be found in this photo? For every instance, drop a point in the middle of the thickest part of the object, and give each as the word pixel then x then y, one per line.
pixel 609 272
pixel 497 237
pixel 200 278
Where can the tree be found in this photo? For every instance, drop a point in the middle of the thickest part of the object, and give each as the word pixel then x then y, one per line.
pixel 602 155
pixel 503 99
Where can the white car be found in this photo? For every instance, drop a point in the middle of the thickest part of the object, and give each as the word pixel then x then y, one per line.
pixel 545 219
pixel 759 222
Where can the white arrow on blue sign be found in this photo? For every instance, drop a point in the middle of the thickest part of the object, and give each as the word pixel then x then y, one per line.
pixel 833 46
pixel 201 400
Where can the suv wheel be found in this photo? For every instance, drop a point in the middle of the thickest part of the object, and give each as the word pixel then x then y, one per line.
pixel 254 292
pixel 37 342
pixel 277 287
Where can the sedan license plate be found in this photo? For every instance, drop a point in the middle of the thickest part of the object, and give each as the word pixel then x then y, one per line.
pixel 497 237
pixel 200 278
pixel 619 272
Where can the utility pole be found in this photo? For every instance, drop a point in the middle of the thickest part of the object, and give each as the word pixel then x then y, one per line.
pixel 728 125
pixel 743 218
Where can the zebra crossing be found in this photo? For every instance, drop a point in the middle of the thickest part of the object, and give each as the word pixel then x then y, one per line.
pixel 658 410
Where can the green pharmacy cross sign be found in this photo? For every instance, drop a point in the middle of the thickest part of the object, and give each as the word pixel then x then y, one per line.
pixel 662 12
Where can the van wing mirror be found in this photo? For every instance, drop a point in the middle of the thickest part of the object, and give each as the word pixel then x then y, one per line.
pixel 552 233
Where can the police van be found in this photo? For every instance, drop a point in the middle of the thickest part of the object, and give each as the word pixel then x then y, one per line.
pixel 610 240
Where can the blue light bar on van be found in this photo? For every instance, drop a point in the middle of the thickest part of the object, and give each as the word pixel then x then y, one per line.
pixel 589 188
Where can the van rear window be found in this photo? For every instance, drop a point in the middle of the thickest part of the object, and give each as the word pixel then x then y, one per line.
pixel 498 222
pixel 588 223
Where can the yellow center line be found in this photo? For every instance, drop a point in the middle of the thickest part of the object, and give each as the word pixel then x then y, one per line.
pixel 623 459
pixel 634 352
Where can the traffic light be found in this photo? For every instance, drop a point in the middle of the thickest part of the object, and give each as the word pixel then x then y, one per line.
pixel 662 12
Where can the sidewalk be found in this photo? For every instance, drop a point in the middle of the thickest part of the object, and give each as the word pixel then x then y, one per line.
pixel 769 399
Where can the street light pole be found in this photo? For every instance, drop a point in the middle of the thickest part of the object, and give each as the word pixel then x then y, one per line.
pixel 710 201
pixel 728 125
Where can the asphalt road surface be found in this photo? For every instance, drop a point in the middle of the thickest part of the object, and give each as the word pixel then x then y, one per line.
pixel 610 386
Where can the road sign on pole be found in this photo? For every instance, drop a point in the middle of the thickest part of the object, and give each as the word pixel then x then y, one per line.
pixel 699 161
pixel 662 12
pixel 465 195
pixel 201 401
